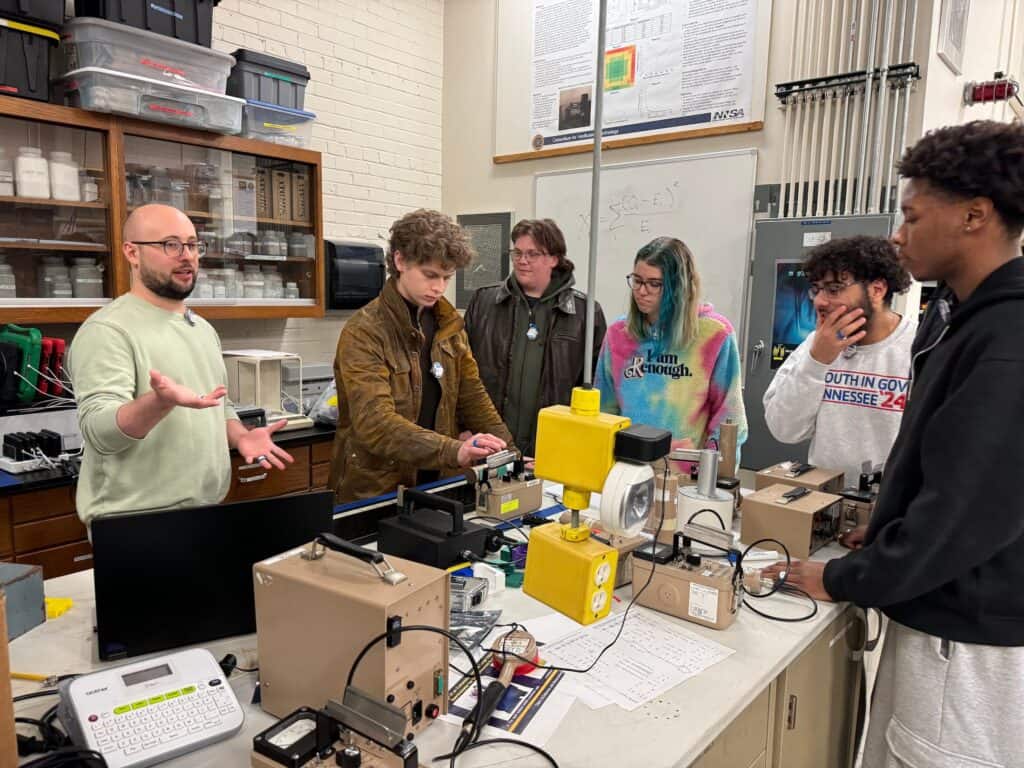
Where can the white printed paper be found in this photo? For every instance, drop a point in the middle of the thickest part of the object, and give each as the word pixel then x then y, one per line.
pixel 669 65
pixel 652 656
pixel 703 602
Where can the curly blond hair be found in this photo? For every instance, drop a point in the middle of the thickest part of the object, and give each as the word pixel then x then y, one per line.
pixel 429 236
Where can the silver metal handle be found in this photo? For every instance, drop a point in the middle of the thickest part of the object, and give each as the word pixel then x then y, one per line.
pixel 758 350
pixel 253 478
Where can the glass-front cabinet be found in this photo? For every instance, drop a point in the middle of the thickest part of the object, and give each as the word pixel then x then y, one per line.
pixel 55 249
pixel 254 213
pixel 69 178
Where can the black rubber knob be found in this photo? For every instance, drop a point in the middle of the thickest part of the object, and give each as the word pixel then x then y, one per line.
pixel 693 559
pixel 350 757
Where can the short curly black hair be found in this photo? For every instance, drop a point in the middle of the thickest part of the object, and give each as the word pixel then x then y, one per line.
pixel 979 159
pixel 866 259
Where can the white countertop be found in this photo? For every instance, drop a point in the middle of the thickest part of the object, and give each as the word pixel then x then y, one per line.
pixel 670 731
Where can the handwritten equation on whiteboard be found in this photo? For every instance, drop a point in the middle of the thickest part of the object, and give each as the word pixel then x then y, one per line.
pixel 633 209
pixel 652 656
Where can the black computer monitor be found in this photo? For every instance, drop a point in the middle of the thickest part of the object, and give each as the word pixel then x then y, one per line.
pixel 181 576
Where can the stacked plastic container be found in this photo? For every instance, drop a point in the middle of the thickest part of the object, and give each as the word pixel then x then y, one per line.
pixel 158 73
pixel 28 34
pixel 274 90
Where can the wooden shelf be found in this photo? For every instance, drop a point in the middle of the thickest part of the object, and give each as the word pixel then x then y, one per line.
pixel 261 260
pixel 28 245
pixel 259 219
pixel 48 202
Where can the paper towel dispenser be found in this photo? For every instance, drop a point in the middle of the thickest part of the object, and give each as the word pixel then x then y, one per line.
pixel 355 273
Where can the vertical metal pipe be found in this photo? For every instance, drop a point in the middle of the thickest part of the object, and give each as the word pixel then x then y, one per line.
pixel 826 148
pixel 595 200
pixel 784 192
pixel 913 35
pixel 805 25
pixel 833 169
pixel 798 151
pixel 837 174
pixel 866 112
pixel 908 85
pixel 853 32
pixel 887 179
pixel 791 75
pixel 808 164
pixel 875 180
pixel 901 57
pixel 843 35
pixel 829 69
pixel 851 182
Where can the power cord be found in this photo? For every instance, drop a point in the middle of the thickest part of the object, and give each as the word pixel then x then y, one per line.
pixel 625 613
pixel 515 524
pixel 70 757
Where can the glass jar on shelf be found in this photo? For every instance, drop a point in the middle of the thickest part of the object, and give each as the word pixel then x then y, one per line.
pixel 239 244
pixel 291 290
pixel 253 282
pixel 31 173
pixel 64 177
pixel 90 189
pixel 160 188
pixel 86 278
pixel 6 174
pixel 52 271
pixel 179 195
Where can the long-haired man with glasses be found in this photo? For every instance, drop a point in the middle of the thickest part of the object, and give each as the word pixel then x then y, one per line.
pixel 527 333
pixel 846 385
pixel 149 381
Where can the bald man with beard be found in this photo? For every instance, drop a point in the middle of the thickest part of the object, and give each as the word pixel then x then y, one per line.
pixel 149 379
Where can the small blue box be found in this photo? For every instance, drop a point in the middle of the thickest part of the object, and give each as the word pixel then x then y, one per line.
pixel 26 604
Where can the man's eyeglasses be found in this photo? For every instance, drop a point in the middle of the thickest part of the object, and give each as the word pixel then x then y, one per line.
pixel 531 256
pixel 832 290
pixel 636 283
pixel 174 248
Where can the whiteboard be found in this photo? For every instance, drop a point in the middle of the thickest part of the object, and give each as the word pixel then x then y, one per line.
pixel 707 201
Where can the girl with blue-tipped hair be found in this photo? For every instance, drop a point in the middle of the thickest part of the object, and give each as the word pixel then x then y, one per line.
pixel 672 362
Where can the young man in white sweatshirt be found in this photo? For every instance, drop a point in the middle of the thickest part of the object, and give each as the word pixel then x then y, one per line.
pixel 846 385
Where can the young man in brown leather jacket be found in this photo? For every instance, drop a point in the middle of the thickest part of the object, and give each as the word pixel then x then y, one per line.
pixel 406 376
pixel 527 333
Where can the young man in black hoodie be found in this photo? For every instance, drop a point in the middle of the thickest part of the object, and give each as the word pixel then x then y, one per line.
pixel 943 557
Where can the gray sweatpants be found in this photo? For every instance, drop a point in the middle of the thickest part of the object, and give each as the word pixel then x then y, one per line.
pixel 939 704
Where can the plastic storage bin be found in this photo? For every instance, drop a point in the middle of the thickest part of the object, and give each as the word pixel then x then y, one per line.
pixel 280 125
pixel 45 13
pixel 104 91
pixel 188 20
pixel 25 59
pixel 268 79
pixel 90 42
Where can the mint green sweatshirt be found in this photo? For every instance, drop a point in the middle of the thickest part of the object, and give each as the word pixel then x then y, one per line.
pixel 184 460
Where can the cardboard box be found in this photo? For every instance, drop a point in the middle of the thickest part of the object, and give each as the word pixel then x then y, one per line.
pixel 857 507
pixel 301 195
pixel 281 194
pixel 703 594
pixel 803 525
pixel 8 740
pixel 26 602
pixel 817 479
pixel 513 499
pixel 263 207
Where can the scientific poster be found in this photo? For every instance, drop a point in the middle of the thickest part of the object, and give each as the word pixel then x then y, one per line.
pixel 669 65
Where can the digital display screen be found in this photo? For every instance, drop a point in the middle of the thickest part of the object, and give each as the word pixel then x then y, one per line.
pixel 145 675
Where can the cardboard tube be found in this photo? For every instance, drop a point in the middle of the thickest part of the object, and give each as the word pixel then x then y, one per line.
pixel 727 437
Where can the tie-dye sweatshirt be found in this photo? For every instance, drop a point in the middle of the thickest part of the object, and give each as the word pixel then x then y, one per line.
pixel 690 391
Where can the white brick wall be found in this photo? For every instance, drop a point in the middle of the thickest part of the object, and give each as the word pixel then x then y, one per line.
pixel 375 85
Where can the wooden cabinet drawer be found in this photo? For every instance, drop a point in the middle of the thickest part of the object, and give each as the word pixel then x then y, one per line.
pixel 48 533
pixel 320 477
pixel 38 505
pixel 322 451
pixel 257 483
pixel 5 527
pixel 57 561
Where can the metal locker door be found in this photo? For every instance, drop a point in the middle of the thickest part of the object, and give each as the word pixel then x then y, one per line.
pixel 781 315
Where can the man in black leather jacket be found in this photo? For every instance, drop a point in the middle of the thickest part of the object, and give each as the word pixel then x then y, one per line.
pixel 527 333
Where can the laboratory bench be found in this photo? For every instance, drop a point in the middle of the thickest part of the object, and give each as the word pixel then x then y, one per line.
pixel 39 523
pixel 786 698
